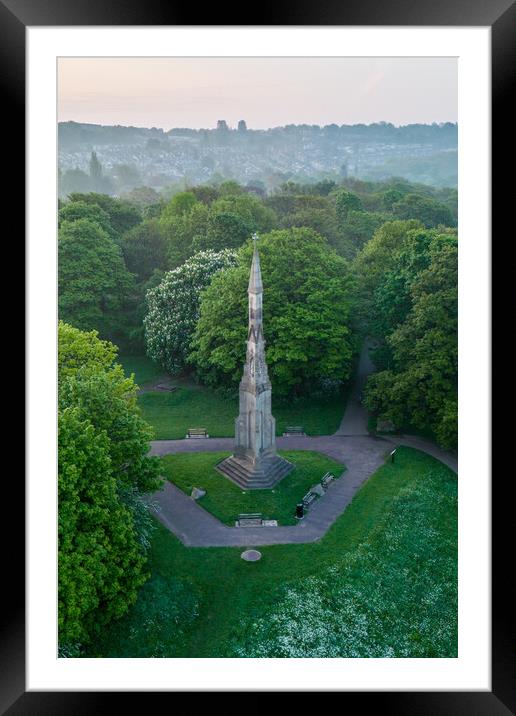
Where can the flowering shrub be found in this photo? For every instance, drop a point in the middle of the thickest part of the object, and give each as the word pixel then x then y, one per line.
pixel 173 307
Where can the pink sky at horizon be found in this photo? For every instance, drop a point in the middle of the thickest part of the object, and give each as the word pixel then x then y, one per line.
pixel 265 91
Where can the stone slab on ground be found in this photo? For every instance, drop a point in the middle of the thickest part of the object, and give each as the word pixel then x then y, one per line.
pixel 197 493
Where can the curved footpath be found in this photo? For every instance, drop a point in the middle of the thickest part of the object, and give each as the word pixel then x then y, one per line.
pixel 362 454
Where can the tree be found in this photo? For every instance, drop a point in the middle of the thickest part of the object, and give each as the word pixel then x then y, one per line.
pixel 95 168
pixel 377 257
pixel 98 181
pixel 144 248
pixel 82 350
pixel 421 387
pixel 173 307
pixel 225 230
pixel 126 176
pixel 306 315
pixel 104 468
pixel 179 205
pixel 122 215
pixel 249 208
pixel 358 229
pixel 345 201
pixel 142 197
pixel 74 180
pixel 92 381
pixel 74 210
pixel 428 211
pixel 100 562
pixel 94 283
pixel 180 231
pixel 392 298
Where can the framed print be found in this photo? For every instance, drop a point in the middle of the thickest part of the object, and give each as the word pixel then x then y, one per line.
pixel 255 121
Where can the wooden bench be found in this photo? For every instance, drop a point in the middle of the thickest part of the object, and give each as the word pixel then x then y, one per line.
pixel 308 499
pixel 249 519
pixel 168 388
pixel 294 430
pixel 326 479
pixel 197 433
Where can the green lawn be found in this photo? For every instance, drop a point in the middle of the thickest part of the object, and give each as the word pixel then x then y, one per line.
pixel 171 414
pixel 381 583
pixel 226 500
pixel 145 371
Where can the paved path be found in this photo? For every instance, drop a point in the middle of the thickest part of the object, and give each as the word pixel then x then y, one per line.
pixel 362 454
pixel 354 420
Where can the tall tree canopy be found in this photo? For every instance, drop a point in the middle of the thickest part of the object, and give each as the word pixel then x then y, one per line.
pixel 104 468
pixel 420 387
pixel 306 315
pixel 94 283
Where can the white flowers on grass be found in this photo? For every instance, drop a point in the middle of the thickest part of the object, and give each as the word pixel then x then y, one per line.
pixel 392 596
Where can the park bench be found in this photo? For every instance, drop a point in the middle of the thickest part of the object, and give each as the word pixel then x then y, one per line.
pixel 168 388
pixel 308 499
pixel 197 433
pixel 294 430
pixel 249 519
pixel 326 479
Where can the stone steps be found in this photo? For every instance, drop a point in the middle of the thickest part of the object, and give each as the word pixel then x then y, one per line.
pixel 264 477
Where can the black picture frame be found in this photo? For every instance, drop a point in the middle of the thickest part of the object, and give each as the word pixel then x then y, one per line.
pixel 500 15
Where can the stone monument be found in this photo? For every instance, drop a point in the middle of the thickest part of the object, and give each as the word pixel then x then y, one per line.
pixel 254 463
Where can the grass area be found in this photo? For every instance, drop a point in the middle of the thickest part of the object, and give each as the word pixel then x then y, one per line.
pixel 171 414
pixel 145 371
pixel 226 500
pixel 381 583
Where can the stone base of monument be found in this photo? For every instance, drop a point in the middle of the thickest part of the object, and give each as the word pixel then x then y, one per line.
pixel 258 476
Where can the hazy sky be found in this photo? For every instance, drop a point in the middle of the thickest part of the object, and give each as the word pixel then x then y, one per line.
pixel 266 92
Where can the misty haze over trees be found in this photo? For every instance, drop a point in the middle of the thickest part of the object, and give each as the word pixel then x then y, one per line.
pixel 117 159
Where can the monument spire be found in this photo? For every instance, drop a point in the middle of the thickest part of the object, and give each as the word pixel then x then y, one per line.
pixel 254 463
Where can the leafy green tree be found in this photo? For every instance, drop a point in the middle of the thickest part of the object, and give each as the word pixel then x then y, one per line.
pixel 173 307
pixel 321 220
pixel 104 468
pixel 82 350
pixel 377 257
pixel 249 208
pixel 144 248
pixel 101 565
pixel 122 215
pixel 421 387
pixel 179 205
pixel 225 230
pixel 91 381
pixel 206 194
pixel 74 210
pixel 180 231
pixel 358 228
pixel 428 211
pixel 94 283
pixel 346 201
pixel 392 299
pixel 390 197
pixel 306 315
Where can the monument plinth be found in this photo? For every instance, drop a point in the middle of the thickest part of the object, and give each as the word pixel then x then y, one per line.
pixel 255 463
